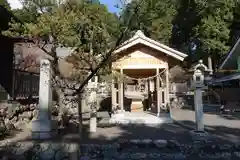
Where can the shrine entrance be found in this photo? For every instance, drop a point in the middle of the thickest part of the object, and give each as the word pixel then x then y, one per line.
pixel 140 87
pixel 143 65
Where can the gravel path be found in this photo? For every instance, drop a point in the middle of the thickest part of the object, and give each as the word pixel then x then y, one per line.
pixel 225 127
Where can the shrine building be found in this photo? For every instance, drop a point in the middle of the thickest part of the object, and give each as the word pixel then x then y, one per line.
pixel 143 65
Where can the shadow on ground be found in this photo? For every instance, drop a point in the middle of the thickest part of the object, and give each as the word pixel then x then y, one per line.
pixel 221 134
pixel 170 131
pixel 110 134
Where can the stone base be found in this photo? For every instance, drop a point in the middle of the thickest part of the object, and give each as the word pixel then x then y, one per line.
pixel 199 135
pixel 120 111
pixel 138 118
pixel 118 115
pixel 44 129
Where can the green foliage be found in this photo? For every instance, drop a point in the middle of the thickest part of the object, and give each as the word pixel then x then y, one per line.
pixel 154 18
pixel 207 25
pixel 5 4
pixel 191 26
pixel 86 26
pixel 235 24
pixel 25 16
pixel 214 27
pixel 195 26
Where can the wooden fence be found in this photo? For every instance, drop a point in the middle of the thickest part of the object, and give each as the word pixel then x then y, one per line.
pixel 24 85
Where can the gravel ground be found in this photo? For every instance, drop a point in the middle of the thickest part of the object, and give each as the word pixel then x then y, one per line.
pixel 224 127
pixel 180 145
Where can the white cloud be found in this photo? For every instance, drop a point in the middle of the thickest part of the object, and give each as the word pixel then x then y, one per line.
pixel 15 4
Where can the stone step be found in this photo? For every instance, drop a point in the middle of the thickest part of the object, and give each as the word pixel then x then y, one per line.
pixel 140 121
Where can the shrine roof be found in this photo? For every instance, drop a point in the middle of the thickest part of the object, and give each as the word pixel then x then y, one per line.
pixel 140 38
pixel 230 61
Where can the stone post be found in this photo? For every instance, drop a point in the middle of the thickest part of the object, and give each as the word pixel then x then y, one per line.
pixel 93 115
pixel 44 127
pixel 198 79
pixel 198 109
pixel 81 105
pixel 114 96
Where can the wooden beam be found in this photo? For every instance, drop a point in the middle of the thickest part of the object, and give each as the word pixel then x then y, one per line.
pixel 158 92
pixel 167 86
pixel 120 90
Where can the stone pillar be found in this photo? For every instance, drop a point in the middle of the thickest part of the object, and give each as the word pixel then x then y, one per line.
pixel 92 102
pixel 120 90
pixel 198 109
pixel 82 105
pixel 198 79
pixel 158 93
pixel 114 96
pixel 44 127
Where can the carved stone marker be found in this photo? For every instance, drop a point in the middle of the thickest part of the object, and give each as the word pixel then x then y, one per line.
pixel 44 127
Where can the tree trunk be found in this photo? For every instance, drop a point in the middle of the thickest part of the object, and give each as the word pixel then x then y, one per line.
pixel 81 103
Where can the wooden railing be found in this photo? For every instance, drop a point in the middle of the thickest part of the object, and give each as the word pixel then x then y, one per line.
pixel 25 84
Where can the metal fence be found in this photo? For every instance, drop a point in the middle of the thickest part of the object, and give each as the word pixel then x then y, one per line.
pixel 25 84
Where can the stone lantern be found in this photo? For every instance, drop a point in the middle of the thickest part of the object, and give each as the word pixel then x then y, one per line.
pixel 200 71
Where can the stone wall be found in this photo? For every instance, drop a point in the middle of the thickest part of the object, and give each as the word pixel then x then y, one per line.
pixel 121 150
pixel 16 116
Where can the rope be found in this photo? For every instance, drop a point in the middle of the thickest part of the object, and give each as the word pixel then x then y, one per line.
pixel 145 79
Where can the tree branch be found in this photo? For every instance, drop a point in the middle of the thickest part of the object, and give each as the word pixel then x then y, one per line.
pixel 109 53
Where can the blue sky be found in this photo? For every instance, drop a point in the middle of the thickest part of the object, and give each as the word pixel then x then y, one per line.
pixel 110 4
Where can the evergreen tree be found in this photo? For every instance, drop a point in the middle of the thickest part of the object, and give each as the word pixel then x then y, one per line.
pixel 197 27
pixel 154 18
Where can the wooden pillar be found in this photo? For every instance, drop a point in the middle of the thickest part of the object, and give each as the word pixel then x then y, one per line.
pixel 158 93
pixel 146 87
pixel 167 87
pixel 114 96
pixel 120 90
pixel 160 97
pixel 149 94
